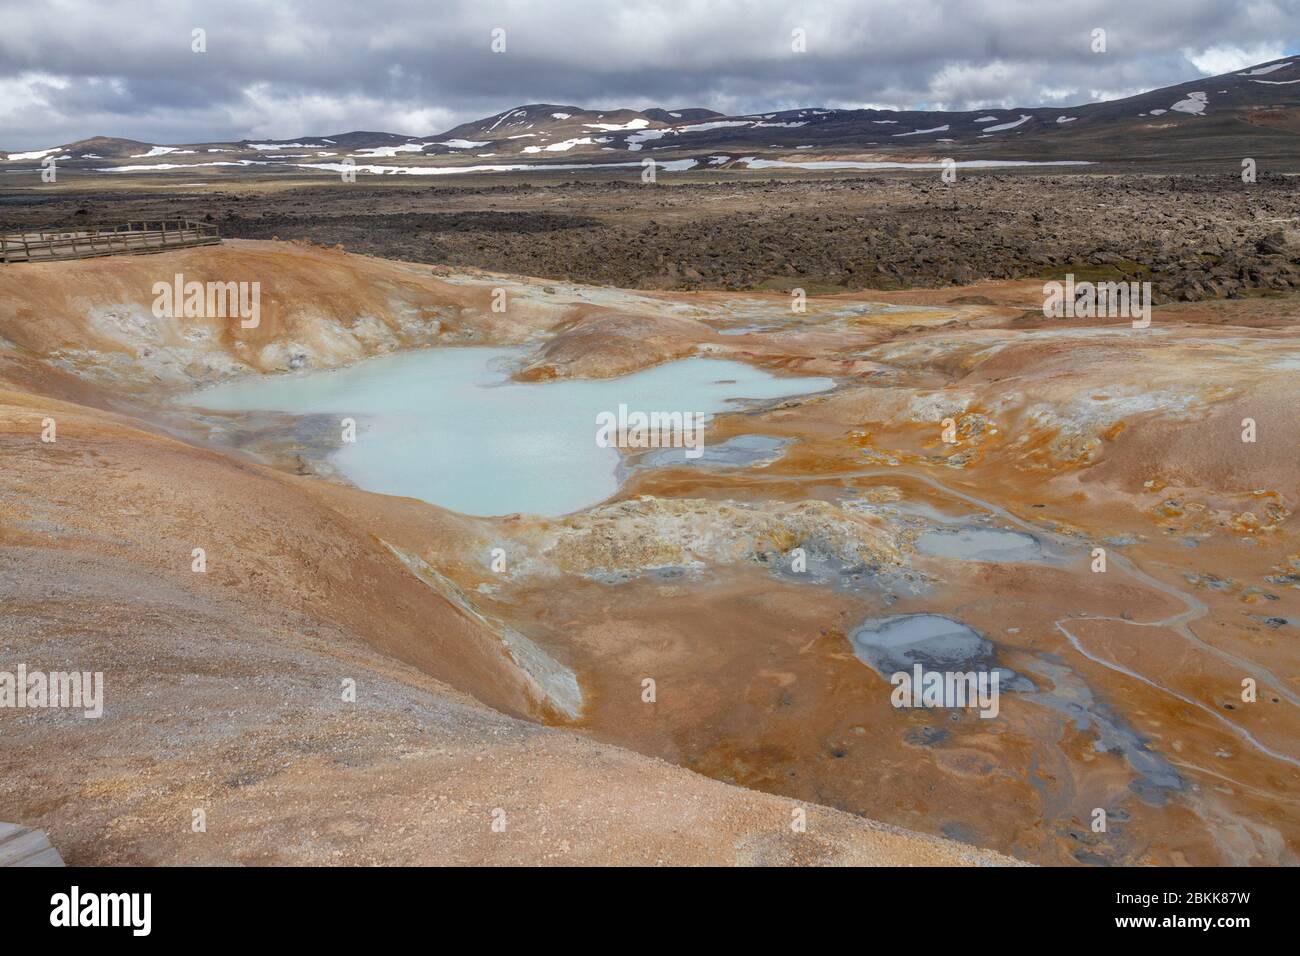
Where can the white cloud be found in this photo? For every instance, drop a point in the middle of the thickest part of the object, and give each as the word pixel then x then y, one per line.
pixel 26 97
pixel 1229 59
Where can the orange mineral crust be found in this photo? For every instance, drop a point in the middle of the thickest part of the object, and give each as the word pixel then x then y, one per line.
pixel 1101 515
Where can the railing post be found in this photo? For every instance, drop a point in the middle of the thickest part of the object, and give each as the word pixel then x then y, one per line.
pixel 132 236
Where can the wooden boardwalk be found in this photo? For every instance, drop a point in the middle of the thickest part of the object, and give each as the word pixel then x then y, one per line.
pixel 128 238
pixel 21 846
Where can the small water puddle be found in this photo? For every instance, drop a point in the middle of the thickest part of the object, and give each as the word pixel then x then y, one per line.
pixel 895 643
pixel 980 544
pixel 889 645
pixel 969 537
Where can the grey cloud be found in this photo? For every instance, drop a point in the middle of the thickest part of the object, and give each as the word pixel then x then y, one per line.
pixel 82 67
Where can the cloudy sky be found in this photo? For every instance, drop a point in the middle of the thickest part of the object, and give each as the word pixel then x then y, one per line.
pixel 70 69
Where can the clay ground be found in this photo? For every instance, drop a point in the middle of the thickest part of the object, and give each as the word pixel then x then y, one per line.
pixel 225 686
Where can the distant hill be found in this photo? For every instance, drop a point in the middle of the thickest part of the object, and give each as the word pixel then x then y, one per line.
pixel 1249 113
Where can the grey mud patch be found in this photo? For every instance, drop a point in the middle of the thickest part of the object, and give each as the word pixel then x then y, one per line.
pixel 764 320
pixel 970 537
pixel 897 643
pixel 1072 697
pixel 302 444
pixel 827 569
pixel 980 544
pixel 742 451
pixel 891 644
pixel 664 573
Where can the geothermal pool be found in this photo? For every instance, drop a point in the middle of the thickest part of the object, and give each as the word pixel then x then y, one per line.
pixel 448 426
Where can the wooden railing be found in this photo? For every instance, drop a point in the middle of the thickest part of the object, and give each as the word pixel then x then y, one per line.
pixel 129 237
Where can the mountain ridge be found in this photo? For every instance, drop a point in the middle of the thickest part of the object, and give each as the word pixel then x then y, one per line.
pixel 1256 106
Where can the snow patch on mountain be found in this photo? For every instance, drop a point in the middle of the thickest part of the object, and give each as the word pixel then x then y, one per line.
pixel 618 127
pixel 921 132
pixel 35 154
pixel 1261 70
pixel 160 151
pixel 1024 118
pixel 377 152
pixel 568 144
pixel 1194 104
